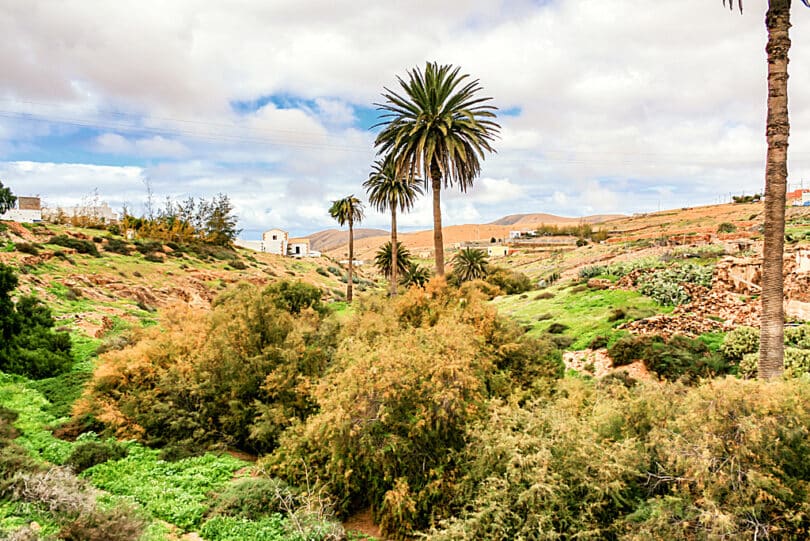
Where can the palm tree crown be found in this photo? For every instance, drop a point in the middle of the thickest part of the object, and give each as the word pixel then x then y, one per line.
pixel 439 126
pixel 388 189
pixel 384 260
pixel 470 264
pixel 347 210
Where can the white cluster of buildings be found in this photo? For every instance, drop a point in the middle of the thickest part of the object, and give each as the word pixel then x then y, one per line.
pixel 27 210
pixel 277 241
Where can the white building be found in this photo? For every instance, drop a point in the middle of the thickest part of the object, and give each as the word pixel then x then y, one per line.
pixel 275 241
pixel 101 212
pixel 298 247
pixel 497 250
pixel 27 209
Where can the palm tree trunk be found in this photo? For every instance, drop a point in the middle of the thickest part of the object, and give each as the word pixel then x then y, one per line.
pixel 394 251
pixel 438 241
pixel 771 356
pixel 351 262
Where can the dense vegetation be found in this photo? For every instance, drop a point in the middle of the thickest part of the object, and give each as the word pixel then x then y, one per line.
pixel 29 345
pixel 431 409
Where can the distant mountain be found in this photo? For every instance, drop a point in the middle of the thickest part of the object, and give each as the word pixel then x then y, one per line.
pixel 332 238
pixel 551 219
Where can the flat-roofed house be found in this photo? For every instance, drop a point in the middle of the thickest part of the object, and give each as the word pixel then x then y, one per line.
pixel 298 247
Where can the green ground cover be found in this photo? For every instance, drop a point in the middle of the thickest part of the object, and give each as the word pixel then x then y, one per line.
pixel 587 313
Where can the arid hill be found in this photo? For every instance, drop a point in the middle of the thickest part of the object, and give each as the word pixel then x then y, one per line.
pixel 550 219
pixel 329 239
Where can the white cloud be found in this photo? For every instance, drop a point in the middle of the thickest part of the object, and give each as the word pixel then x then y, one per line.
pixel 619 106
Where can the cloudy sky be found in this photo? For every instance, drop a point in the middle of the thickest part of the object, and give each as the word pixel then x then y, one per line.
pixel 608 106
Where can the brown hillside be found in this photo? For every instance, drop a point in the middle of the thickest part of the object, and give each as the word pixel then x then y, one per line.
pixel 550 219
pixel 329 239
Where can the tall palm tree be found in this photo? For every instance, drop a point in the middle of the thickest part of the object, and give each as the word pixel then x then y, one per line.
pixel 389 189
pixel 348 210
pixel 772 348
pixel 441 127
pixel 470 264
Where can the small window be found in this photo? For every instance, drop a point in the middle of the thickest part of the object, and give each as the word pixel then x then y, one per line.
pixel 275 237
pixel 297 249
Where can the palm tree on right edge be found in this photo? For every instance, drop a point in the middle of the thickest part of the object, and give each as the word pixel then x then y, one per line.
pixel 438 126
pixel 388 189
pixel 348 210
pixel 772 326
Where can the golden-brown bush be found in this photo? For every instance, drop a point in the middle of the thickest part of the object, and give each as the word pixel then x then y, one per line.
pixel 407 380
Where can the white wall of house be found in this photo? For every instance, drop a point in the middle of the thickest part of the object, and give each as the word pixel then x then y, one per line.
pixel 275 241
pixel 255 245
pixel 497 251
pixel 298 249
pixel 27 216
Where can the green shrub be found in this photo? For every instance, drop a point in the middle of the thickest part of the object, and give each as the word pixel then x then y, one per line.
pixel 665 286
pixel 236 376
pixel 154 257
pixel 81 246
pixel 510 282
pixel 251 498
pixel 87 454
pixel 586 273
pixel 598 342
pixel 27 248
pixel 728 464
pixel 726 227
pixel 557 328
pixel 29 346
pixel 391 441
pixel 117 246
pixel 148 246
pixel 630 349
pixel 683 357
pixel 295 296
pixel 739 342
pixel 121 523
pixel 677 358
pixel 238 264
pixel 61 391
pixel 798 337
pixel 559 468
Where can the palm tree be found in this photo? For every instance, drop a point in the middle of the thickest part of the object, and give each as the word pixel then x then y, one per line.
pixel 348 210
pixel 415 275
pixel 470 264
pixel 391 264
pixel 439 126
pixel 389 189
pixel 772 348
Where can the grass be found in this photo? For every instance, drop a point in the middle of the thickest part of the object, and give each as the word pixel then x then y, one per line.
pixel 176 492
pixel 586 312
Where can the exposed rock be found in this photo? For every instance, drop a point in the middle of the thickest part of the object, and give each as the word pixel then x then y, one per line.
pixel 599 283
pixel 687 324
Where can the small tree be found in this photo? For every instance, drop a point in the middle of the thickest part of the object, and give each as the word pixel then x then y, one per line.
pixel 28 345
pixel 348 210
pixel 220 224
pixel 7 199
